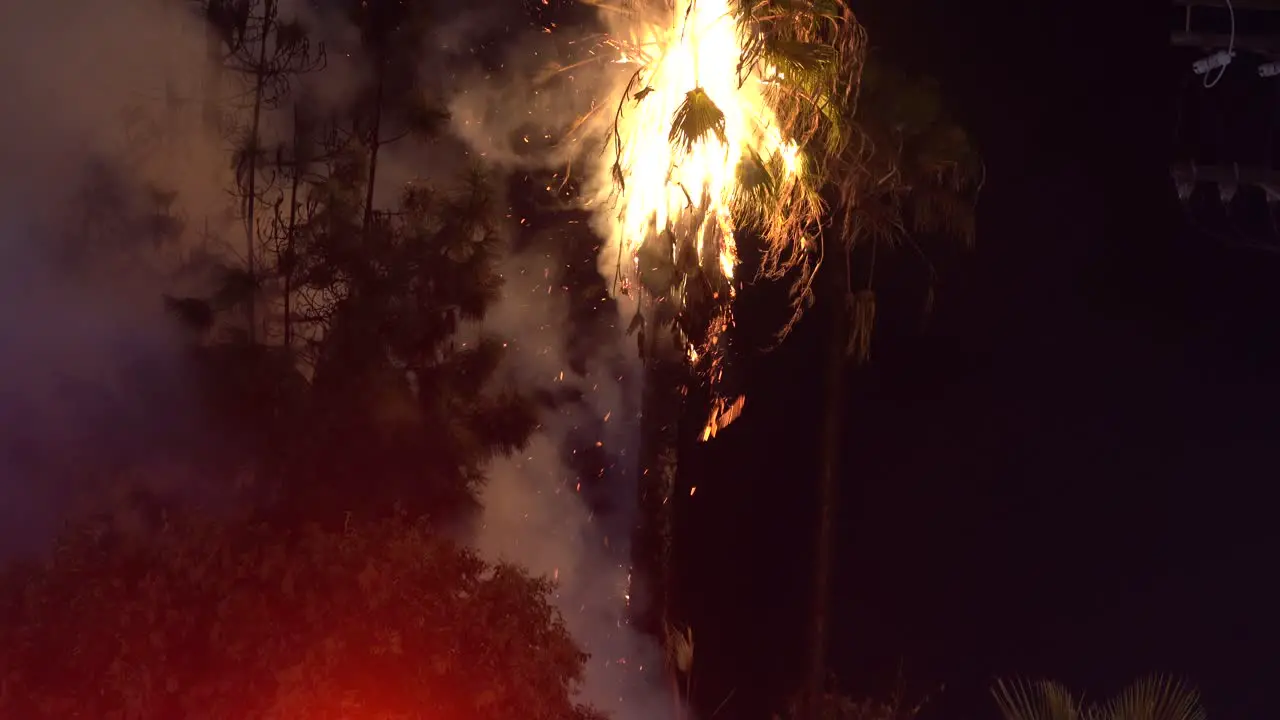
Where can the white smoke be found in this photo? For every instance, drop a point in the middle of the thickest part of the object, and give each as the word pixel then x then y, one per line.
pixel 91 380
pixel 532 514
pixel 534 511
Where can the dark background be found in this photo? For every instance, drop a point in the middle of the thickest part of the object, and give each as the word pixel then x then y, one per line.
pixel 1069 474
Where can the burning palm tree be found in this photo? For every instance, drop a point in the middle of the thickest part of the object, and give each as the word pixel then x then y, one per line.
pixel 729 119
pixel 737 121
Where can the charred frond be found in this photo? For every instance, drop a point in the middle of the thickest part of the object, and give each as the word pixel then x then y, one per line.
pixel 697 117
pixel 754 175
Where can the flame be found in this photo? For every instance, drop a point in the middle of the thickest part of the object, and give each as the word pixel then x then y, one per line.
pixel 698 47
pixel 684 189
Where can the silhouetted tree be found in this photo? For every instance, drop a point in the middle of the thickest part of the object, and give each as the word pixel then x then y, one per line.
pixel 912 177
pixel 388 371
pixel 266 53
pixel 366 398
pixel 392 106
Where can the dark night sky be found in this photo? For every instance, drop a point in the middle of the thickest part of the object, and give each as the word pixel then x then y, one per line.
pixel 1065 476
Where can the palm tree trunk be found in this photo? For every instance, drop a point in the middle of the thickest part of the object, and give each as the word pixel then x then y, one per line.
pixel 654 544
pixel 836 292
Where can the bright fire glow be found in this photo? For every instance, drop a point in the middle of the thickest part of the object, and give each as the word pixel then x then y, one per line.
pixel 695 45
pixel 661 186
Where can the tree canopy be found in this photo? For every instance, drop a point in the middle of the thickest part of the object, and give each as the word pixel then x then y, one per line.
pixel 228 619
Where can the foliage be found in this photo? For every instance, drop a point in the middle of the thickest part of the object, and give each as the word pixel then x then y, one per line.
pixel 696 118
pixel 819 48
pixel 803 61
pixel 352 369
pixel 265 54
pixel 392 398
pixel 214 619
pixel 1154 697
pixel 916 172
pixel 912 176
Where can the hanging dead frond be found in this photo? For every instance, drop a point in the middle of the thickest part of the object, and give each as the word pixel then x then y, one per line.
pixel 941 210
pixel 926 311
pixel 680 648
pixel 862 312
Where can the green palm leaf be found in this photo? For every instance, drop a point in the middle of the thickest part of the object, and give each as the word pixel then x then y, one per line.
pixel 1152 698
pixel 1036 700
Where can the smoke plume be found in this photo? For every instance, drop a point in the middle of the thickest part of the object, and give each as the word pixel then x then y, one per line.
pixel 105 100
pixel 541 513
pixel 538 510
pixel 101 129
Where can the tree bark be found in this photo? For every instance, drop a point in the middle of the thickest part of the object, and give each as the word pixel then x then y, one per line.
pixel 835 288
pixel 654 546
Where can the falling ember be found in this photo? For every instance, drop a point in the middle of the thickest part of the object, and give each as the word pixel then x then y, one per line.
pixel 722 414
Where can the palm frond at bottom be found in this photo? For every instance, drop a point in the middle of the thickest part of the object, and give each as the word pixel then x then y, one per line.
pixel 1036 700
pixel 1155 697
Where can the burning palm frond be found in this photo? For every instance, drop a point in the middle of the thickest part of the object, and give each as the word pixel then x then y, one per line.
pixel 732 117
pixel 755 177
pixel 696 117
pixel 723 412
